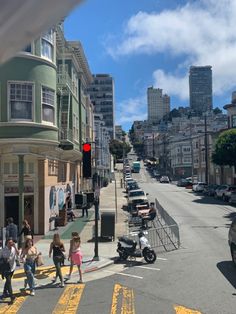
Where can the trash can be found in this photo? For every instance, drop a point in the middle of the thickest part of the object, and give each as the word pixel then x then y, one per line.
pixel 108 225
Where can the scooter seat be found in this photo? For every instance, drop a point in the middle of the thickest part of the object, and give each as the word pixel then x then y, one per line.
pixel 127 241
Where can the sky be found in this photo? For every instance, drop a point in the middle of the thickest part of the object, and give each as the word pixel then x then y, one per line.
pixel 143 43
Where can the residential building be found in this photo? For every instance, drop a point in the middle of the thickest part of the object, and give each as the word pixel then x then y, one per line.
pixel 118 132
pixel 101 92
pixel 231 112
pixel 102 169
pixel 158 105
pixel 200 88
pixel 42 127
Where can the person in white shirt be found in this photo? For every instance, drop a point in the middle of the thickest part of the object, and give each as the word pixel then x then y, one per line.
pixel 9 253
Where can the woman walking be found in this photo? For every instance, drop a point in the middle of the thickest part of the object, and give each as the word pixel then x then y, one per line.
pixel 75 255
pixel 58 249
pixel 29 255
pixel 26 230
pixel 9 254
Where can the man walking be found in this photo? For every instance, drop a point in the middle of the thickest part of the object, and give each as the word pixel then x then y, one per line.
pixel 11 230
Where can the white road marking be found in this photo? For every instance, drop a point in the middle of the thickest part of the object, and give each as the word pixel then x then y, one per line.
pixel 123 274
pixel 145 267
pixel 162 259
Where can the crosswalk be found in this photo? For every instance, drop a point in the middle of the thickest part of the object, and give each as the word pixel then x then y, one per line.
pixel 122 302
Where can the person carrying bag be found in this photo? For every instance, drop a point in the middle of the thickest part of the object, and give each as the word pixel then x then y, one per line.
pixel 8 256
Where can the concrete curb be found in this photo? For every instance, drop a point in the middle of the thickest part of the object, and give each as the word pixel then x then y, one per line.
pixel 96 268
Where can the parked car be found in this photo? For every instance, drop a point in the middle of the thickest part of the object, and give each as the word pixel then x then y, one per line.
pixel 199 187
pixel 226 195
pixel 232 199
pixel 164 179
pixel 184 182
pixel 137 195
pixel 232 240
pixel 220 190
pixel 210 189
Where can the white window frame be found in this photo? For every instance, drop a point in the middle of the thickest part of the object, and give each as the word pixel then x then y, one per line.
pixel 9 100
pixel 47 104
pixel 50 42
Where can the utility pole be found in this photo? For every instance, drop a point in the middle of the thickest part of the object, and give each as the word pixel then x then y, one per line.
pixel 191 147
pixel 206 149
pixel 96 207
pixel 153 150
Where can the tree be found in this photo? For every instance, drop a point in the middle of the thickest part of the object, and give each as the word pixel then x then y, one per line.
pixel 217 110
pixel 225 149
pixel 116 149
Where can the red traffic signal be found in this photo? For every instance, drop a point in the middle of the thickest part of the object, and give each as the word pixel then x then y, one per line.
pixel 86 147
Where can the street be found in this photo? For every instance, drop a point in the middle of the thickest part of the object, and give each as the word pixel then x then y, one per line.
pixel 199 276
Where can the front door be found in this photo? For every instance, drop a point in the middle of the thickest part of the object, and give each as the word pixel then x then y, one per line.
pixel 12 209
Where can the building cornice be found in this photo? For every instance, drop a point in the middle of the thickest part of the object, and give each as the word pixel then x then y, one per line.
pixel 26 55
pixel 29 124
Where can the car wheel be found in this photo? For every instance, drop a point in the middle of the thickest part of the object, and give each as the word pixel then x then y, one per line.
pixel 233 254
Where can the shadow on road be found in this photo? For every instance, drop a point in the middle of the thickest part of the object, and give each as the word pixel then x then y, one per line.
pixel 209 200
pixel 228 269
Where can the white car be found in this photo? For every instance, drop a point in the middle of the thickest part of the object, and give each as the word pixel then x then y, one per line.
pixel 164 179
pixel 199 187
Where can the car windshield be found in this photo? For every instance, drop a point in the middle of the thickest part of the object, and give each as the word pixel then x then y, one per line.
pixel 136 193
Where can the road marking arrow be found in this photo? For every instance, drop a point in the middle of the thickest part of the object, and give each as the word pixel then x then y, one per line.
pixel 183 310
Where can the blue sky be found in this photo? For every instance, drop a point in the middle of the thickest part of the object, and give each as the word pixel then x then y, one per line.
pixel 153 42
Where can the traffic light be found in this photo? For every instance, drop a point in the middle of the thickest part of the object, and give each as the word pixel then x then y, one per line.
pixel 87 166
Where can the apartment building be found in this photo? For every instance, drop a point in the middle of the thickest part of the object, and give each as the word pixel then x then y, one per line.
pixel 42 127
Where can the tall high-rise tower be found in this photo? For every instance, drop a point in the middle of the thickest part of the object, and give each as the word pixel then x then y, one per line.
pixel 200 88
pixel 101 93
pixel 158 104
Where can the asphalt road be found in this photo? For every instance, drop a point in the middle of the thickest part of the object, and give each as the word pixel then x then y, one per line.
pixel 198 276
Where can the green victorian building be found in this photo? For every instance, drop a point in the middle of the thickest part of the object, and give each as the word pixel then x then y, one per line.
pixel 43 122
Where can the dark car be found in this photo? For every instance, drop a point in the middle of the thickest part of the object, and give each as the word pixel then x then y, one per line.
pixel 184 182
pixel 210 189
pixel 232 241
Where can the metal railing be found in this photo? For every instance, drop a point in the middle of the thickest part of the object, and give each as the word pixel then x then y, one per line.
pixel 163 232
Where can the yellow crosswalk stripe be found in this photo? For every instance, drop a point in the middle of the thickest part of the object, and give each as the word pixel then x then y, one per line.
pixel 13 308
pixel 183 310
pixel 42 272
pixel 70 299
pixel 127 304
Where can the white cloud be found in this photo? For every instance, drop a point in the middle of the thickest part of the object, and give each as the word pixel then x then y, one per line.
pixel 131 109
pixel 201 32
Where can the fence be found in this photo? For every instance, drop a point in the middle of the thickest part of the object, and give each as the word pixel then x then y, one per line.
pixel 163 234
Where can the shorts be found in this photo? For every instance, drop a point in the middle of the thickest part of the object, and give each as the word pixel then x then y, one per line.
pixel 76 258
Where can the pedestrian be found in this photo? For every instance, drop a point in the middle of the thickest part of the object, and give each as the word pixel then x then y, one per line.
pixel 68 207
pixel 29 255
pixel 9 255
pixel 57 248
pixel 26 230
pixel 11 230
pixel 75 255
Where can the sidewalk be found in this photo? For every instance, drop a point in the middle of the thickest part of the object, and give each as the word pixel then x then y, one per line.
pixel 85 227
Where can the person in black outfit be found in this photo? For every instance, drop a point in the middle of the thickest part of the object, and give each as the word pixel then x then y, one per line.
pixel 69 209
pixel 57 248
pixel 26 230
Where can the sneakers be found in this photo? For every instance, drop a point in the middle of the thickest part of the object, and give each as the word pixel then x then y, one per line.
pixel 80 281
pixel 32 293
pixel 62 285
pixel 54 280
pixel 68 277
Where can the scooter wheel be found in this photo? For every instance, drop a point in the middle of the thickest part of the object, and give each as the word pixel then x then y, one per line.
pixel 123 255
pixel 150 256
